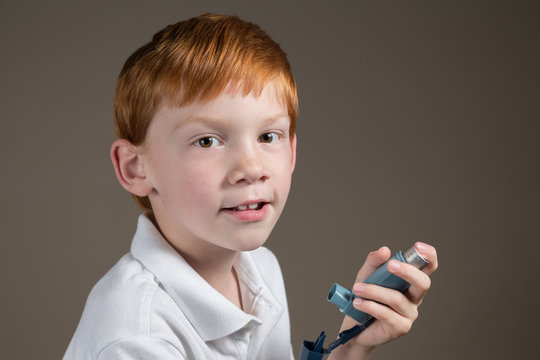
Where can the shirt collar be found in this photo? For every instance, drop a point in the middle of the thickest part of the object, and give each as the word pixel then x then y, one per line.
pixel 211 314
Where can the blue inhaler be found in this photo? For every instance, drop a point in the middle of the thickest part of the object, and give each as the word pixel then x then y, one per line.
pixel 343 299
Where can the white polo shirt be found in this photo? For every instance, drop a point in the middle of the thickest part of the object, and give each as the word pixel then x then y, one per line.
pixel 153 305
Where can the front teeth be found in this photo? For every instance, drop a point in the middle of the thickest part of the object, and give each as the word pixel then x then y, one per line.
pixel 253 206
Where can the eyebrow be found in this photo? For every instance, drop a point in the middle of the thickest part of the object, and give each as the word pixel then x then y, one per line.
pixel 215 121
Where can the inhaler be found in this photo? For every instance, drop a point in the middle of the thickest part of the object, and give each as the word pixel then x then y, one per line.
pixel 343 298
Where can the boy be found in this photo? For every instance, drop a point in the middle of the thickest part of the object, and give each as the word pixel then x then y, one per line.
pixel 205 116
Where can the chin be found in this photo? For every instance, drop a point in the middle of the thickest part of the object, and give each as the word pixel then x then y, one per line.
pixel 249 244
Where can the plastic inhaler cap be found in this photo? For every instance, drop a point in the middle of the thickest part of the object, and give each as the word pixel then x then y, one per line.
pixel 339 296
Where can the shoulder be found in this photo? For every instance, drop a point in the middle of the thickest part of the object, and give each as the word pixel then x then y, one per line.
pixel 125 290
pixel 140 348
pixel 119 307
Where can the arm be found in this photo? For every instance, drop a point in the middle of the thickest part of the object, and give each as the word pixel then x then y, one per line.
pixel 395 312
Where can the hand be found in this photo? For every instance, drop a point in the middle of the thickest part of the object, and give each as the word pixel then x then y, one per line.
pixel 395 311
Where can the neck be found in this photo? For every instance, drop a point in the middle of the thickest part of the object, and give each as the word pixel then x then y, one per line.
pixel 214 264
pixel 218 270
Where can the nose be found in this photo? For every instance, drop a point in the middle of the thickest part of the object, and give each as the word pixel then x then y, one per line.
pixel 247 166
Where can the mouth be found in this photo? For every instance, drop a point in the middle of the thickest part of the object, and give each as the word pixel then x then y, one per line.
pixel 252 206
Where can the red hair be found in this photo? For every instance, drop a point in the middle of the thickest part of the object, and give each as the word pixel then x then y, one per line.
pixel 195 60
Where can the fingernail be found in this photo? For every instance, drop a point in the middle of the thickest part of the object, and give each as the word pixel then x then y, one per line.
pixel 421 246
pixel 394 265
pixel 358 287
pixel 357 302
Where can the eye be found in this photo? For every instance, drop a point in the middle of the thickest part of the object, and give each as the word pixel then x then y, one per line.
pixel 269 137
pixel 207 142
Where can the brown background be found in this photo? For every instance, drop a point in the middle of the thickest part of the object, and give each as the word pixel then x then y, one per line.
pixel 419 120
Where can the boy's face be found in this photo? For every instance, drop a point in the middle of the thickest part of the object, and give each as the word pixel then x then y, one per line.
pixel 220 170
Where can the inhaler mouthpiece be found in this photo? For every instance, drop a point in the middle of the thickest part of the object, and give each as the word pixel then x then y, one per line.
pixel 340 296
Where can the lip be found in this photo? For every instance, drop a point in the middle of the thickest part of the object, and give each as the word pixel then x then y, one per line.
pixel 249 215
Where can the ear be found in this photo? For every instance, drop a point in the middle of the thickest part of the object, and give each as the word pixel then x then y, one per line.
pixel 129 168
pixel 293 153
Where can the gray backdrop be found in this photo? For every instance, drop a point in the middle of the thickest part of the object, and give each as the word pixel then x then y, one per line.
pixel 419 120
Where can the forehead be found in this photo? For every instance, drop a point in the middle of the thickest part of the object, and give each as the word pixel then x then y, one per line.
pixel 230 105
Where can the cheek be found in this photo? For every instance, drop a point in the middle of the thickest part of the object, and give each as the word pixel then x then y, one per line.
pixel 285 185
pixel 195 184
pixel 283 173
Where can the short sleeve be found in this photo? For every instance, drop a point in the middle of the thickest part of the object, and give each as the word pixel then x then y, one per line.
pixel 141 348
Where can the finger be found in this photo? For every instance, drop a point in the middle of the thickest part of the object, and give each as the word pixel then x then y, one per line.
pixel 430 254
pixel 396 324
pixel 373 261
pixel 419 280
pixel 394 299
